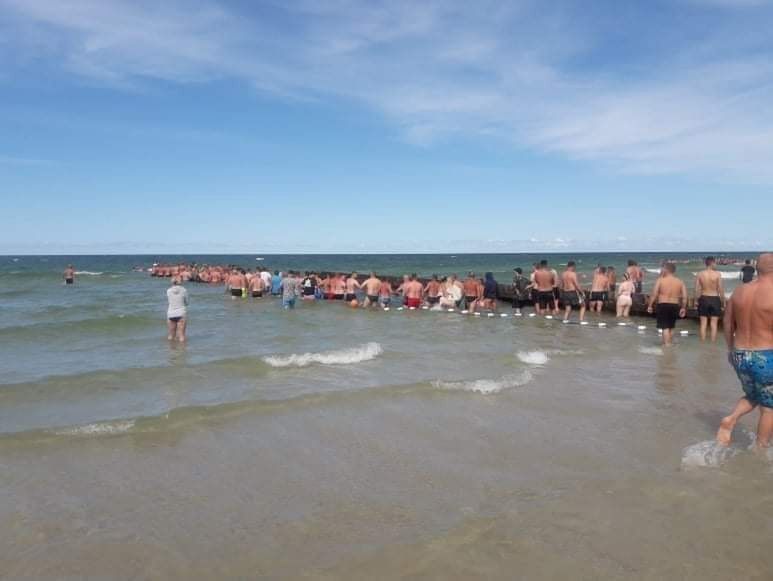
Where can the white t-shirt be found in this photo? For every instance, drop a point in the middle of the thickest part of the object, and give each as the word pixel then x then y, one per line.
pixel 266 276
pixel 178 301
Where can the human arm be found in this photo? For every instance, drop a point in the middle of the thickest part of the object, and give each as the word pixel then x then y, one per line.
pixel 653 297
pixel 683 310
pixel 728 325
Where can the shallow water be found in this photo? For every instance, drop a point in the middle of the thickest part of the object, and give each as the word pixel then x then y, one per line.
pixel 336 443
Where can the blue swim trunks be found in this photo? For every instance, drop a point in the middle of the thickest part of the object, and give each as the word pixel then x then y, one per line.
pixel 755 370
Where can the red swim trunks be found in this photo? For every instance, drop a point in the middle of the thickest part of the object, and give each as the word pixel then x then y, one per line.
pixel 413 302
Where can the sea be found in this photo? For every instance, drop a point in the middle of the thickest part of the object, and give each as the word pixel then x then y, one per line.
pixel 336 443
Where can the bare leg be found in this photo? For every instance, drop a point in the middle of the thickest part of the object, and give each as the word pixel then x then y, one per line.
pixel 181 330
pixel 567 312
pixel 627 312
pixel 726 426
pixel 714 328
pixel 704 325
pixel 764 428
pixel 668 336
pixel 582 312
pixel 171 329
pixel 619 310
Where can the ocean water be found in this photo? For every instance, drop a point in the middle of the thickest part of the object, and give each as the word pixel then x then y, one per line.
pixel 332 442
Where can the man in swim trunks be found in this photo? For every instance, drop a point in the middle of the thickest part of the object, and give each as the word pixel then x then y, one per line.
pixel 372 285
pixel 432 291
pixel 599 290
pixel 572 296
pixel 352 286
pixel 290 290
pixel 338 286
pixel 544 282
pixel 236 284
pixel 556 289
pixel 671 297
pixel 256 286
pixel 612 276
pixel 748 326
pixel 636 275
pixel 385 292
pixel 471 289
pixel 747 272
pixel 709 298
pixel 177 311
pixel 412 293
pixel 69 275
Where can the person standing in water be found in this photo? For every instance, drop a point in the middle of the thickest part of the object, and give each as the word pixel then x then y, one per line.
pixel 571 295
pixel 521 287
pixel 747 272
pixel 600 290
pixel 671 297
pixel 709 298
pixel 489 300
pixel 290 290
pixel 625 296
pixel 748 326
pixel 372 286
pixel 69 275
pixel 177 311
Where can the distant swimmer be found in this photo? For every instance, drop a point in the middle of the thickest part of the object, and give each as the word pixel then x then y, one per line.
pixel 544 282
pixel 521 286
pixel 599 292
pixel 710 298
pixel 747 272
pixel 256 286
pixel 352 286
pixel 69 275
pixel 572 296
pixel 432 291
pixel 290 290
pixel 177 311
pixel 748 326
pixel 236 283
pixel 624 300
pixel 372 286
pixel 671 297
pixel 412 292
pixel 471 288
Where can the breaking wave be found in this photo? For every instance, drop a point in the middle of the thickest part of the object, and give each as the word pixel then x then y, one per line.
pixel 533 357
pixel 339 357
pixel 486 386
pixel 98 429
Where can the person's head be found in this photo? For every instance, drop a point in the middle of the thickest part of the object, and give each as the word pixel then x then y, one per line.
pixel 571 265
pixel 519 270
pixel 276 272
pixel 372 274
pixel 631 262
pixel 470 274
pixel 435 277
pixel 413 276
pixel 543 263
pixel 602 269
pixel 610 269
pixel 176 280
pixel 765 264
pixel 489 276
pixel 747 262
pixel 669 268
pixel 710 261
pixel 354 275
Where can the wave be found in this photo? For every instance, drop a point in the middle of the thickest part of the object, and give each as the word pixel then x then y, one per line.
pixel 707 454
pixel 653 270
pixel 533 357
pixel 97 429
pixel 486 386
pixel 339 357
pixel 107 324
pixel 88 273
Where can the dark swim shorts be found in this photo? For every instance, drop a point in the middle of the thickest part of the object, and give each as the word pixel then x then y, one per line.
pixel 175 319
pixel 598 297
pixel 755 371
pixel 236 292
pixel 570 299
pixel 709 307
pixel 373 299
pixel 69 281
pixel 667 314
pixel 545 298
pixel 433 300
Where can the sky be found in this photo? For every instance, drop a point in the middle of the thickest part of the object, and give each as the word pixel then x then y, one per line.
pixel 194 126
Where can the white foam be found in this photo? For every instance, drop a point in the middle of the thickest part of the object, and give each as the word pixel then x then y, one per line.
pixel 707 454
pixel 98 429
pixel 349 356
pixel 549 317
pixel 464 312
pixel 642 327
pixel 653 270
pixel 533 357
pixel 651 350
pixel 532 315
pixel 602 324
pixel 487 386
pixel 88 273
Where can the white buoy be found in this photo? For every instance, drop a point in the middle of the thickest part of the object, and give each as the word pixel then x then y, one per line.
pixel 565 321
pixel 550 317
pixel 386 308
pixel 622 324
pixel 411 308
pixel 660 331
pixel 400 308
pixel 503 315
pixel 463 312
pixel 477 314
pixel 532 315
pixel 583 323
pixel 491 314
pixel 602 324
pixel 519 314
pixel 685 333
pixel 425 308
pixel 450 310
pixel 642 327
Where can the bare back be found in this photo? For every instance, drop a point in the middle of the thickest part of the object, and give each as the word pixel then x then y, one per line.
pixel 544 280
pixel 750 315
pixel 708 284
pixel 569 281
pixel 670 289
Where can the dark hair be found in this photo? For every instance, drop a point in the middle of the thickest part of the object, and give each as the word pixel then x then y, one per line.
pixel 748 261
pixel 631 262
pixel 603 269
pixel 519 270
pixel 276 272
pixel 489 276
pixel 571 263
pixel 670 267
pixel 543 262
pixel 710 260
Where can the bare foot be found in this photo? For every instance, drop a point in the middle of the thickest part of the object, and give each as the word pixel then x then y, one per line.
pixel 725 432
pixel 169 338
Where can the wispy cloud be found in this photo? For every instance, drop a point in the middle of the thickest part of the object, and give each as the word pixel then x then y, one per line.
pixel 535 75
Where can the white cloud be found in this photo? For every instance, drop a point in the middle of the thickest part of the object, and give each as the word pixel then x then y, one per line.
pixel 510 71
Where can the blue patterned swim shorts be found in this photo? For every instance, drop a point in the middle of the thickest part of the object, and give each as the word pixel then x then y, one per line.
pixel 755 370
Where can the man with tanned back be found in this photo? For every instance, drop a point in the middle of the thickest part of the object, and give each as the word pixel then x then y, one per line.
pixel 544 282
pixel 69 274
pixel 237 283
pixel 671 297
pixel 748 327
pixel 352 286
pixel 432 291
pixel 471 289
pixel 599 291
pixel 412 293
pixel 571 295
pixel 372 285
pixel 709 298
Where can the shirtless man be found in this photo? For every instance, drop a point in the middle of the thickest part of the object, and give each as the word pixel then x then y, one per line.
pixel 599 290
pixel 544 282
pixel 572 295
pixel 671 297
pixel 236 284
pixel 385 292
pixel 372 287
pixel 635 274
pixel 412 293
pixel 471 289
pixel 352 286
pixel 256 286
pixel 432 291
pixel 401 289
pixel 710 298
pixel 748 326
pixel 338 287
pixel 69 275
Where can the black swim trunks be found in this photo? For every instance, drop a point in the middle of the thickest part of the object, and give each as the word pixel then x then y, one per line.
pixel 338 297
pixel 350 297
pixel 598 297
pixel 570 299
pixel 470 300
pixel 667 315
pixel 175 319
pixel 69 281
pixel 236 292
pixel 545 298
pixel 433 300
pixel 257 294
pixel 709 307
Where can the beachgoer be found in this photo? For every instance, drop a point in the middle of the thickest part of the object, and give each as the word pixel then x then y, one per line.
pixel 599 292
pixel 747 272
pixel 257 286
pixel 177 311
pixel 69 275
pixel 352 286
pixel 612 276
pixel 520 290
pixel 236 284
pixel 471 289
pixel 385 292
pixel 625 296
pixel 490 287
pixel 412 292
pixel 710 298
pixel 432 291
pixel 636 274
pixel 372 286
pixel 290 290
pixel 276 284
pixel 670 294
pixel 544 282
pixel 748 326
pixel 572 296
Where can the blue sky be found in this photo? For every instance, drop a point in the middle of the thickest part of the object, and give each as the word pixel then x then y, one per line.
pixel 215 126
